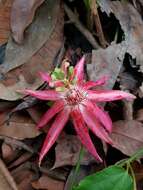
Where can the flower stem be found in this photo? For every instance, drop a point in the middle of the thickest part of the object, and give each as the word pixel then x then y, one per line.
pixel 77 168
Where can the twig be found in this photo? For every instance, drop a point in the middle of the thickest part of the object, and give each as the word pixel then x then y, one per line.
pixel 128 110
pixel 80 27
pixel 98 25
pixel 6 180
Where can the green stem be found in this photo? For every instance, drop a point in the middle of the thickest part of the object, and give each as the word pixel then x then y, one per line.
pixel 77 168
pixel 133 176
pixel 135 156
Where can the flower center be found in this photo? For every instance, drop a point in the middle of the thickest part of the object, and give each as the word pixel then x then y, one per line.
pixel 74 96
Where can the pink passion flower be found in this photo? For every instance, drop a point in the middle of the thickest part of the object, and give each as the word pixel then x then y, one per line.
pixel 75 99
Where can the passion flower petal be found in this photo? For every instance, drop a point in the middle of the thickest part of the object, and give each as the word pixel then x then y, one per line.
pixel 54 132
pixel 101 115
pixel 45 77
pixel 109 95
pixel 83 134
pixel 90 84
pixel 94 125
pixel 57 107
pixel 79 69
pixel 43 94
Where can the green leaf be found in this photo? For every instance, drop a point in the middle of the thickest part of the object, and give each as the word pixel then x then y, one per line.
pixel 111 178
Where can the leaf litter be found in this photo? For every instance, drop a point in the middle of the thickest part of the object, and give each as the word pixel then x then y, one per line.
pixel 36 38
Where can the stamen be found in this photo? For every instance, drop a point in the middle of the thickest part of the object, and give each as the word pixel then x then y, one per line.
pixel 74 96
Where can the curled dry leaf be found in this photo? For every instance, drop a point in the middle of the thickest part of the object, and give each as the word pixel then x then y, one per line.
pixel 132 25
pixel 5 8
pixel 19 127
pixel 48 183
pixel 106 62
pixel 127 136
pixel 67 152
pixel 43 33
pixel 22 14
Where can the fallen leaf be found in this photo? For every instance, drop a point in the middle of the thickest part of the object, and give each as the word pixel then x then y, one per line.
pixel 5 8
pixel 48 183
pixel 27 65
pixel 19 127
pixel 107 62
pixel 127 136
pixel 22 14
pixel 6 180
pixel 132 25
pixel 23 178
pixel 67 152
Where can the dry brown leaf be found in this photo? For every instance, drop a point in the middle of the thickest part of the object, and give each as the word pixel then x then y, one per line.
pixel 67 152
pixel 26 76
pixel 22 14
pixel 5 8
pixel 127 136
pixel 19 127
pixel 132 25
pixel 106 62
pixel 48 183
pixel 23 178
pixel 6 180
